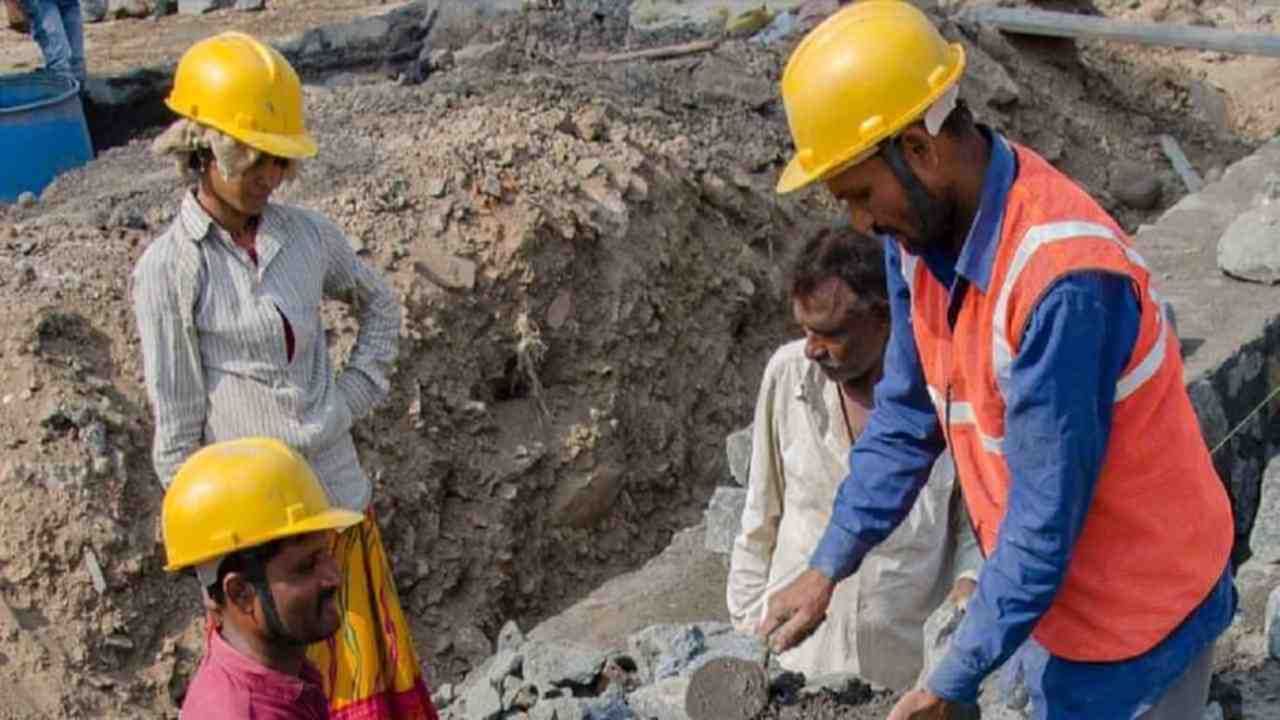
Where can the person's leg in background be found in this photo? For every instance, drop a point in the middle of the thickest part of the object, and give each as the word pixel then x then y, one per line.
pixel 73 27
pixel 50 33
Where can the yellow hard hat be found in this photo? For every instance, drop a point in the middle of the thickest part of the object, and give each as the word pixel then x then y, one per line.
pixel 246 89
pixel 859 77
pixel 240 493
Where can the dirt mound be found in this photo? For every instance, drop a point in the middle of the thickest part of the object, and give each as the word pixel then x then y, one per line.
pixel 588 259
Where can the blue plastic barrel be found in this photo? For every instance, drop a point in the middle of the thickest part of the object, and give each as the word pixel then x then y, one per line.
pixel 42 132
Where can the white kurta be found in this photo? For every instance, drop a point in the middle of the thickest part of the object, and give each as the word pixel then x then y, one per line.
pixel 800 455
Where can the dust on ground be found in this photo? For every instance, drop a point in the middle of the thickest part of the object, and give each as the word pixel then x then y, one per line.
pixel 588 257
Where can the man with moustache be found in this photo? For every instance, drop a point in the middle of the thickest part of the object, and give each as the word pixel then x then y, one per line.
pixel 1027 337
pixel 252 520
pixel 814 402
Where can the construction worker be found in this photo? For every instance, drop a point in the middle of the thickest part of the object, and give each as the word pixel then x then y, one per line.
pixel 1027 337
pixel 228 303
pixel 814 402
pixel 250 518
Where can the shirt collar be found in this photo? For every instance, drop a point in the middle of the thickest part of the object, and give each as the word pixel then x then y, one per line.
pixel 240 665
pixel 977 256
pixel 197 223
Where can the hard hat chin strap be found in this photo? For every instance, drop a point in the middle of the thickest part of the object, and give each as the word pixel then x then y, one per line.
pixel 932 216
pixel 276 632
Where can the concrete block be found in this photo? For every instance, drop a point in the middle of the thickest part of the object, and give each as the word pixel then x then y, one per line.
pixel 724 518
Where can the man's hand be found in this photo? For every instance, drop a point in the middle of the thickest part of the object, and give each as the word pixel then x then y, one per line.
pixel 962 591
pixel 922 705
pixel 796 610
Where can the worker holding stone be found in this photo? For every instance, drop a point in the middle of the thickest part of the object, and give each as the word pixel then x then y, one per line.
pixel 1027 337
pixel 250 519
pixel 814 401
pixel 228 305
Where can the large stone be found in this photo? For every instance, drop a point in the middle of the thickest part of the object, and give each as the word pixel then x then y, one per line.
pixel 724 517
pixel 1250 248
pixel 1134 185
pixel 1210 104
pixel 718 78
pixel 986 84
pixel 200 7
pixel 561 665
pixel 482 700
pixel 562 708
pixel 610 707
pixel 663 700
pixel 1265 539
pixel 510 638
pixel 737 447
pixel 489 55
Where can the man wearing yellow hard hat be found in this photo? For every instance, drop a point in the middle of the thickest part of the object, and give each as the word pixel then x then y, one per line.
pixel 228 303
pixel 1027 336
pixel 250 518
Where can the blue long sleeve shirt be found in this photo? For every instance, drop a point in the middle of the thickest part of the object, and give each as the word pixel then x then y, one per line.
pixel 1058 421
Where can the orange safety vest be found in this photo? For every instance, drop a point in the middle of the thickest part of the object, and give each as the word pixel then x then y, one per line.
pixel 1159 530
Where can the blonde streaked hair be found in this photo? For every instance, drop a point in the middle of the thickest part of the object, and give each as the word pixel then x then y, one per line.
pixel 185 139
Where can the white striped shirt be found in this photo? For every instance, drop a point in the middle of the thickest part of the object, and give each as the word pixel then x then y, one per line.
pixel 214 347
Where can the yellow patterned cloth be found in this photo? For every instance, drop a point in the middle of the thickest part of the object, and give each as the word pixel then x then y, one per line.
pixel 370 668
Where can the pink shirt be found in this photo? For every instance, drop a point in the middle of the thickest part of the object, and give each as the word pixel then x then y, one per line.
pixel 231 686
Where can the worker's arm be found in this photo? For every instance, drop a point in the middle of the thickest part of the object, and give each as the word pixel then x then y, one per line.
pixel 1057 423
pixel 752 554
pixel 164 288
pixel 892 458
pixel 365 379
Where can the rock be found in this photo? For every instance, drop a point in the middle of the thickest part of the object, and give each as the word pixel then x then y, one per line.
pixel 986 83
pixel 440 59
pixel 557 664
pixel 718 78
pixel 663 700
pixel 1270 191
pixel 1213 711
pixel 560 310
pixel 447 271
pixel 1265 540
pixel 251 5
pixel 119 9
pixel 26 200
pixel 482 700
pixel 581 499
pixel 610 708
pixel 737 447
pixel 510 638
pixel 443 696
pixel 200 7
pixel 1271 626
pixel 683 647
pixel 93 10
pixel 490 55
pixel 1210 104
pixel 724 518
pixel 590 124
pixel 558 709
pixel 1134 185
pixel 1249 249
pixel 95 571
pixel 470 642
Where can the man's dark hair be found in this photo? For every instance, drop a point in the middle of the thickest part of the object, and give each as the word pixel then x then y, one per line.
pixel 960 122
pixel 250 562
pixel 842 252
